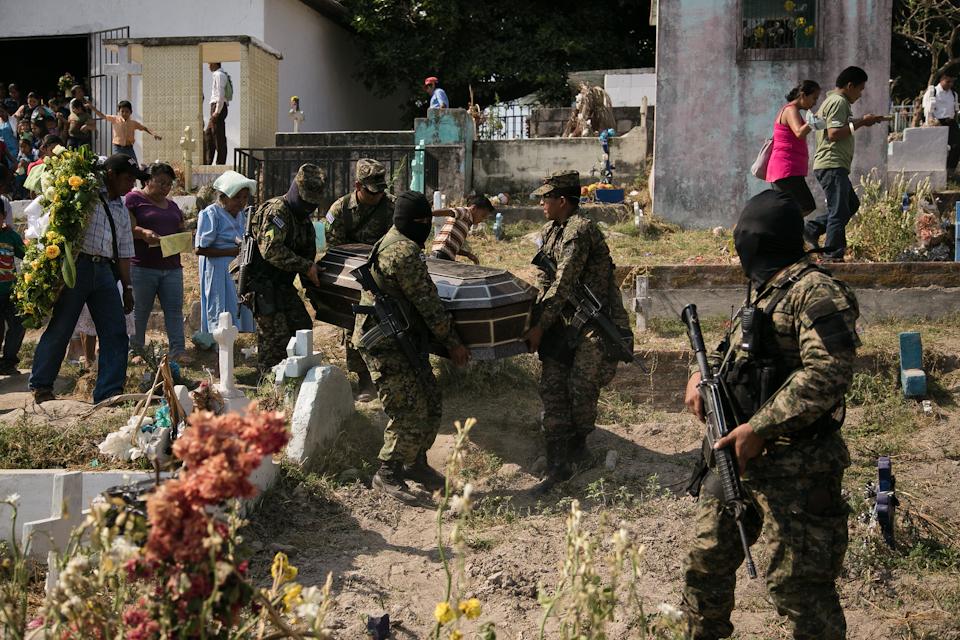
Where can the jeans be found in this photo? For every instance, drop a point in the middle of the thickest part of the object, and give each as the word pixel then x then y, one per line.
pixel 125 149
pixel 11 331
pixel 167 285
pixel 842 205
pixel 97 288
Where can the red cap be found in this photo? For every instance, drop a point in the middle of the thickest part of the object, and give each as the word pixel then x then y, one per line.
pixel 431 80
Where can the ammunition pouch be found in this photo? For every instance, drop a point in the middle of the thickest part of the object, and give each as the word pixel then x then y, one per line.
pixel 263 302
pixel 750 382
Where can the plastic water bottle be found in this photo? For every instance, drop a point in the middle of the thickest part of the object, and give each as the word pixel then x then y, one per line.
pixel 498 227
pixel 956 235
pixel 437 200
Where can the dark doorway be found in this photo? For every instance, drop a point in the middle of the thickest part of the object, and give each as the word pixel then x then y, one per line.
pixel 41 61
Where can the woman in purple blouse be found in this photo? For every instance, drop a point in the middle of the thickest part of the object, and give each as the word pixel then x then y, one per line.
pixel 153 275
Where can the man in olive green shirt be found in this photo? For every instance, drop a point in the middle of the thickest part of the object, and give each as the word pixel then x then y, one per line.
pixel 831 164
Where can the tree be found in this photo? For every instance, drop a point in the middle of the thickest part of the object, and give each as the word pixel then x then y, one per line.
pixel 932 27
pixel 501 49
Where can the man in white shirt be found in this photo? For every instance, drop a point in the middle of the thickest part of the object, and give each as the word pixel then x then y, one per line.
pixel 940 108
pixel 104 258
pixel 215 133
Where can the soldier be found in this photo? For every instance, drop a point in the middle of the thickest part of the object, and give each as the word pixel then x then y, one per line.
pixel 576 363
pixel 286 246
pixel 363 216
pixel 791 455
pixel 410 394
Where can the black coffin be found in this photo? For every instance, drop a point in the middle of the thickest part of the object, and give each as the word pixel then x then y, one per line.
pixel 490 307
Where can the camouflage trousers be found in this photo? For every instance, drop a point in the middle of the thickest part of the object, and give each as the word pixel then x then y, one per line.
pixel 806 520
pixel 275 330
pixel 355 363
pixel 414 407
pixel 570 391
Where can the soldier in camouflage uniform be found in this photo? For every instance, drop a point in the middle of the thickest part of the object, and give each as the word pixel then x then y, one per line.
pixel 574 368
pixel 413 402
pixel 286 246
pixel 363 216
pixel 790 451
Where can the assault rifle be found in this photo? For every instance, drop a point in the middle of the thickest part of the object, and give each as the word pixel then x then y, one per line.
pixel 391 321
pixel 717 411
pixel 588 308
pixel 248 247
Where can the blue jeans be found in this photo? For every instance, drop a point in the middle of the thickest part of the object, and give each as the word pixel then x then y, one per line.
pixel 166 284
pixel 97 288
pixel 842 205
pixel 125 149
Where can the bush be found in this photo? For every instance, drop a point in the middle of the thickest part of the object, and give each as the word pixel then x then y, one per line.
pixel 881 230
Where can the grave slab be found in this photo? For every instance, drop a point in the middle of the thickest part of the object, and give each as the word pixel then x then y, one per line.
pixel 921 154
pixel 324 402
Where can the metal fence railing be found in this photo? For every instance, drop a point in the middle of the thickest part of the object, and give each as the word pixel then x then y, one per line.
pixel 505 121
pixel 274 167
pixel 902 117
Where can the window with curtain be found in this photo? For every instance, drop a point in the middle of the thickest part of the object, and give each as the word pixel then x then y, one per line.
pixel 778 29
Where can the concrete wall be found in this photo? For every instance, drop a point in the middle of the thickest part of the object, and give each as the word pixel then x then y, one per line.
pixel 518 166
pixel 317 60
pixel 715 117
pixel 548 122
pixel 629 89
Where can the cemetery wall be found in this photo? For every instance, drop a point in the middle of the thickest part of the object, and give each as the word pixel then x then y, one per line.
pixel 718 110
pixel 518 166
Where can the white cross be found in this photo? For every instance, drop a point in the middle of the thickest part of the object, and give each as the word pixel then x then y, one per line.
pixel 226 334
pixel 49 534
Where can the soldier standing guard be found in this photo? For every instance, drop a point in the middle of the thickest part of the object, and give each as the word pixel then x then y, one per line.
pixel 576 362
pixel 285 246
pixel 789 369
pixel 363 216
pixel 408 390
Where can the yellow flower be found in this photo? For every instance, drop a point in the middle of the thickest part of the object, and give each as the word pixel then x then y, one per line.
pixel 456 634
pixel 292 597
pixel 470 608
pixel 75 182
pixel 801 21
pixel 789 5
pixel 443 613
pixel 52 251
pixel 758 32
pixel 809 31
pixel 27 277
pixel 282 570
pixel 51 235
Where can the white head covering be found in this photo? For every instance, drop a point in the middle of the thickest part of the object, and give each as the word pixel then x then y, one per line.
pixel 231 183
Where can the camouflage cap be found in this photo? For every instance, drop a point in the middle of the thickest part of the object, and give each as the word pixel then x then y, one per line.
pixel 371 174
pixel 310 181
pixel 561 183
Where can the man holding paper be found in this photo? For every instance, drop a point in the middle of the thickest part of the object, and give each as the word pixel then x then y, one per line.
pixel 155 268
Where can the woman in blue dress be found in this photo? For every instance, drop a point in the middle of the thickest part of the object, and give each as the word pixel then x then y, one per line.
pixel 219 233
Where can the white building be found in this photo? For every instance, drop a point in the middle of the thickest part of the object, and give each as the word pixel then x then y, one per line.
pixel 318 52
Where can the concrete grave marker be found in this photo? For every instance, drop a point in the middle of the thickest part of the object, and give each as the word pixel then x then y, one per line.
pixel 921 154
pixel 324 401
pixel 225 335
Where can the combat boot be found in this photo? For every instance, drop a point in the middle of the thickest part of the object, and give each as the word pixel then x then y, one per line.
pixel 389 480
pixel 558 468
pixel 579 454
pixel 420 471
pixel 366 390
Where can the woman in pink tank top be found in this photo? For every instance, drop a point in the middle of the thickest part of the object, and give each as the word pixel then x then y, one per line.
pixel 789 158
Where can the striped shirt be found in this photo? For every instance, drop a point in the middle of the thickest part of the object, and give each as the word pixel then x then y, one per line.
pixel 98 240
pixel 454 232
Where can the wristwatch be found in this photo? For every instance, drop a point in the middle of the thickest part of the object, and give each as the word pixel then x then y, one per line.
pixel 852 128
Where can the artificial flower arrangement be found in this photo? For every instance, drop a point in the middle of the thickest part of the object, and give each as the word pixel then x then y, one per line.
pixel 65 83
pixel 69 187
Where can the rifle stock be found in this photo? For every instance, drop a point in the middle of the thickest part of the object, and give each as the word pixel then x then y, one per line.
pixel 716 410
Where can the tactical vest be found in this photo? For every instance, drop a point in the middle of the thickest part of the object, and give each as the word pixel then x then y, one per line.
pixel 419 332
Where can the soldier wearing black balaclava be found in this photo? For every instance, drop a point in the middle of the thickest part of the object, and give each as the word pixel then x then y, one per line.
pixel 413 402
pixel 787 377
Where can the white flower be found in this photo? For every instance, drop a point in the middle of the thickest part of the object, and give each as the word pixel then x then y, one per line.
pixel 13 498
pixel 670 612
pixel 309 608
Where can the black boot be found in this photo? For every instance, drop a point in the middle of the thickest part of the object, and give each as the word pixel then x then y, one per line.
pixel 558 468
pixel 420 471
pixel 366 390
pixel 579 454
pixel 389 480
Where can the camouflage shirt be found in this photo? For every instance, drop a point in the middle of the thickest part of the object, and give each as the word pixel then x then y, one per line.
pixel 286 241
pixel 815 339
pixel 349 221
pixel 581 254
pixel 400 269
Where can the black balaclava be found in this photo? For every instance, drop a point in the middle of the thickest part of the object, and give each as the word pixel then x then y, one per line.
pixel 409 206
pixel 298 205
pixel 769 235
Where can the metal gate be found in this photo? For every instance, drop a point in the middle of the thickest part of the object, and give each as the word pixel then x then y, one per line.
pixel 104 89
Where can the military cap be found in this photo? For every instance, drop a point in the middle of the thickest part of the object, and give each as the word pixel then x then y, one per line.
pixel 310 180
pixel 371 174
pixel 561 183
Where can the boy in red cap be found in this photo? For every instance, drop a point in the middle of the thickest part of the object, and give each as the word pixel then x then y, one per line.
pixel 438 97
